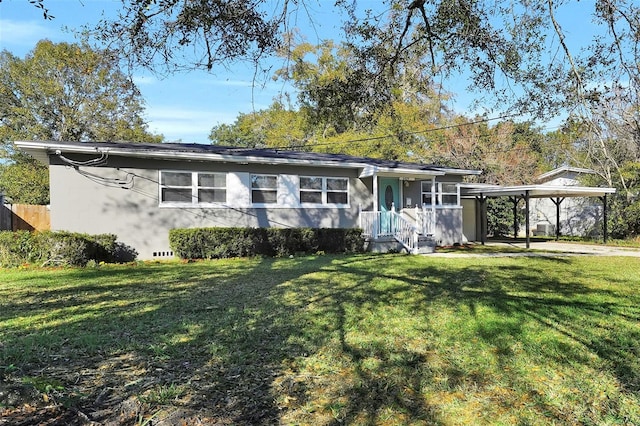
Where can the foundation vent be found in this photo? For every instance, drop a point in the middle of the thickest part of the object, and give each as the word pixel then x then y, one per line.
pixel 168 253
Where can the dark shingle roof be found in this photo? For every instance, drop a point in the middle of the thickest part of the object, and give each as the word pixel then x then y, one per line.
pixel 180 149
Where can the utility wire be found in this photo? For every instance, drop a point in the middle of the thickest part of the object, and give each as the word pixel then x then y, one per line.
pixel 375 138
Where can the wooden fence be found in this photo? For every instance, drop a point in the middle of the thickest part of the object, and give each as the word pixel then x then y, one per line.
pixel 15 217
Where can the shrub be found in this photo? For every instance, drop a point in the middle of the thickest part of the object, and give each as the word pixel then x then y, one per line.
pixel 212 243
pixel 15 247
pixel 62 248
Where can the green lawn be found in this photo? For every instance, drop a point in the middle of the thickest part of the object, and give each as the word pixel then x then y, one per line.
pixel 369 339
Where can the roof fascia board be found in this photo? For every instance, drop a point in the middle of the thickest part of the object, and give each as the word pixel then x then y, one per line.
pixel 370 171
pixel 542 191
pixel 461 172
pixel 564 169
pixel 367 170
pixel 173 155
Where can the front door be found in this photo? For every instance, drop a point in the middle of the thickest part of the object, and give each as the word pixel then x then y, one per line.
pixel 388 198
pixel 388 193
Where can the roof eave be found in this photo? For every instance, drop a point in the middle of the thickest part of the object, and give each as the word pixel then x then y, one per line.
pixel 401 172
pixel 39 150
pixel 564 169
pixel 42 150
pixel 541 191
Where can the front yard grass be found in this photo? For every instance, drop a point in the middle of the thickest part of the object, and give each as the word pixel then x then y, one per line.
pixel 367 339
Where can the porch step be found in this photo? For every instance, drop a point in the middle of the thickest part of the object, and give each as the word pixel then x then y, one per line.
pixel 426 244
pixel 388 244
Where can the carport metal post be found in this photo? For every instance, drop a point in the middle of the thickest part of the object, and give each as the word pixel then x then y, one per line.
pixel 526 213
pixel 515 200
pixel 604 218
pixel 482 200
pixel 557 201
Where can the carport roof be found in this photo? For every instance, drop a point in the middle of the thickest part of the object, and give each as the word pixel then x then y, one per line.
pixel 535 191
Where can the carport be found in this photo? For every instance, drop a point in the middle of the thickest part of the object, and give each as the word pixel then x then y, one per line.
pixel 557 194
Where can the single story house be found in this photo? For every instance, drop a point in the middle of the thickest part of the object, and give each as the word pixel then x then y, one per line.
pixel 141 191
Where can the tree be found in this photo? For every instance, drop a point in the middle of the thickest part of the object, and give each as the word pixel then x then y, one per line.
pixel 62 92
pixel 520 42
pixel 275 127
pixel 25 181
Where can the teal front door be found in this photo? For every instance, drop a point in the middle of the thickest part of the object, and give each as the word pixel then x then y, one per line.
pixel 388 199
pixel 388 193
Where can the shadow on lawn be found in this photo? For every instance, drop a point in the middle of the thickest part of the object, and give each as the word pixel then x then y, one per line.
pixel 212 335
pixel 584 315
pixel 221 337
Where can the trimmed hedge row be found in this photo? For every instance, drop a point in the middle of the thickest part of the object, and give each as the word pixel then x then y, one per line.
pixel 61 248
pixel 214 243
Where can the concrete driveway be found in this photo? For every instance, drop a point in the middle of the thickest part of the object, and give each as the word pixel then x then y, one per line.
pixel 551 247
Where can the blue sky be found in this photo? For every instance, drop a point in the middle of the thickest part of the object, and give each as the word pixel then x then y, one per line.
pixel 182 107
pixel 186 106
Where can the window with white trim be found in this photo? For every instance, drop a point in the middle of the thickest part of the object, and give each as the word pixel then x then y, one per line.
pixel 264 189
pixel 426 193
pixel 192 188
pixel 447 193
pixel 324 190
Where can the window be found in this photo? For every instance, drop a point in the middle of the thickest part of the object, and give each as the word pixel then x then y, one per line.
pixel 264 189
pixel 192 188
pixel 447 193
pixel 324 190
pixel 311 189
pixel 426 193
pixel 212 187
pixel 175 187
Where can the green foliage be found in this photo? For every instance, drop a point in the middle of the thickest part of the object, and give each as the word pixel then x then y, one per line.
pixel 213 243
pixel 508 49
pixel 61 248
pixel 68 92
pixel 632 215
pixel 274 127
pixel 500 216
pixel 25 181
pixel 17 248
pixel 624 219
pixel 624 214
pixel 62 92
